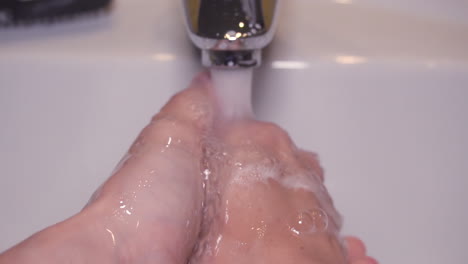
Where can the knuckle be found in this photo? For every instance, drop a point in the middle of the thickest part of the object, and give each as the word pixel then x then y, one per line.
pixel 272 136
pixel 189 106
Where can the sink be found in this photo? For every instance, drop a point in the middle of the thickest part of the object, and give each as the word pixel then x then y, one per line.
pixel 378 88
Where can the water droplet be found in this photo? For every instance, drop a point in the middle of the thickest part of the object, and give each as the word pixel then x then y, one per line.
pixel 310 221
pixel 226 213
pixel 207 173
pixel 169 141
pixel 261 229
pixel 112 236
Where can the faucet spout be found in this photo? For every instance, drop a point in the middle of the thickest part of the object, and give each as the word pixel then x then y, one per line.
pixel 231 33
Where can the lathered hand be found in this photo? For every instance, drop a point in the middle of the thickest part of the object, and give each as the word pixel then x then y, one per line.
pixel 196 187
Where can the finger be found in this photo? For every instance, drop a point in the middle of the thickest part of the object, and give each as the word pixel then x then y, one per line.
pixel 356 248
pixel 194 106
pixel 310 161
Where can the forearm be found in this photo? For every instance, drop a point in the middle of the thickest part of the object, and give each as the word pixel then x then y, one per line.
pixel 72 241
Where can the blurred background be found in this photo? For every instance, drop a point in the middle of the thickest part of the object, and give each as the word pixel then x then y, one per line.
pixel 379 89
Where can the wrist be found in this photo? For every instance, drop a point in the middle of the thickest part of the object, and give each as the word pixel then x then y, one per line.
pixel 133 238
pixel 77 239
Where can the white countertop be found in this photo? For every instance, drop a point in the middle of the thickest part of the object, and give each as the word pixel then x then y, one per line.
pixel 378 88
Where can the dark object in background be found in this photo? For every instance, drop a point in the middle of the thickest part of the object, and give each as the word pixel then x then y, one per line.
pixel 27 11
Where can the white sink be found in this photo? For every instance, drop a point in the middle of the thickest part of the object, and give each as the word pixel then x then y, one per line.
pixel 378 88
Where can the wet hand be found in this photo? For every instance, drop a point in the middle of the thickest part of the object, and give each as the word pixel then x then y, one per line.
pixel 200 187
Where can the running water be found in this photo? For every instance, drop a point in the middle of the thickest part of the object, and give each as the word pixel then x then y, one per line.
pixel 234 91
pixel 253 190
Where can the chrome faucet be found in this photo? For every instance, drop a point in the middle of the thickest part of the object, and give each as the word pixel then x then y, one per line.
pixel 231 33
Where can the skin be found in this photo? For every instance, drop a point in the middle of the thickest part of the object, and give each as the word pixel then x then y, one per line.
pixel 151 209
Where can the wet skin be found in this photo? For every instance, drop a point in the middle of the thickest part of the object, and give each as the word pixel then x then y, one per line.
pixel 203 188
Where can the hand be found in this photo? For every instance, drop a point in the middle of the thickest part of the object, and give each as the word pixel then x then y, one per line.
pixel 267 202
pixel 198 186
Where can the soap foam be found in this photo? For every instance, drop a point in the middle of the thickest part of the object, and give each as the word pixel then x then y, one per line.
pixel 252 173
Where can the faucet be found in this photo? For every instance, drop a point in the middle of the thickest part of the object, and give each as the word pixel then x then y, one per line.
pixel 231 33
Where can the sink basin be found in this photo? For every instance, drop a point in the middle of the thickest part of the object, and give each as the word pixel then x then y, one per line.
pixel 378 88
